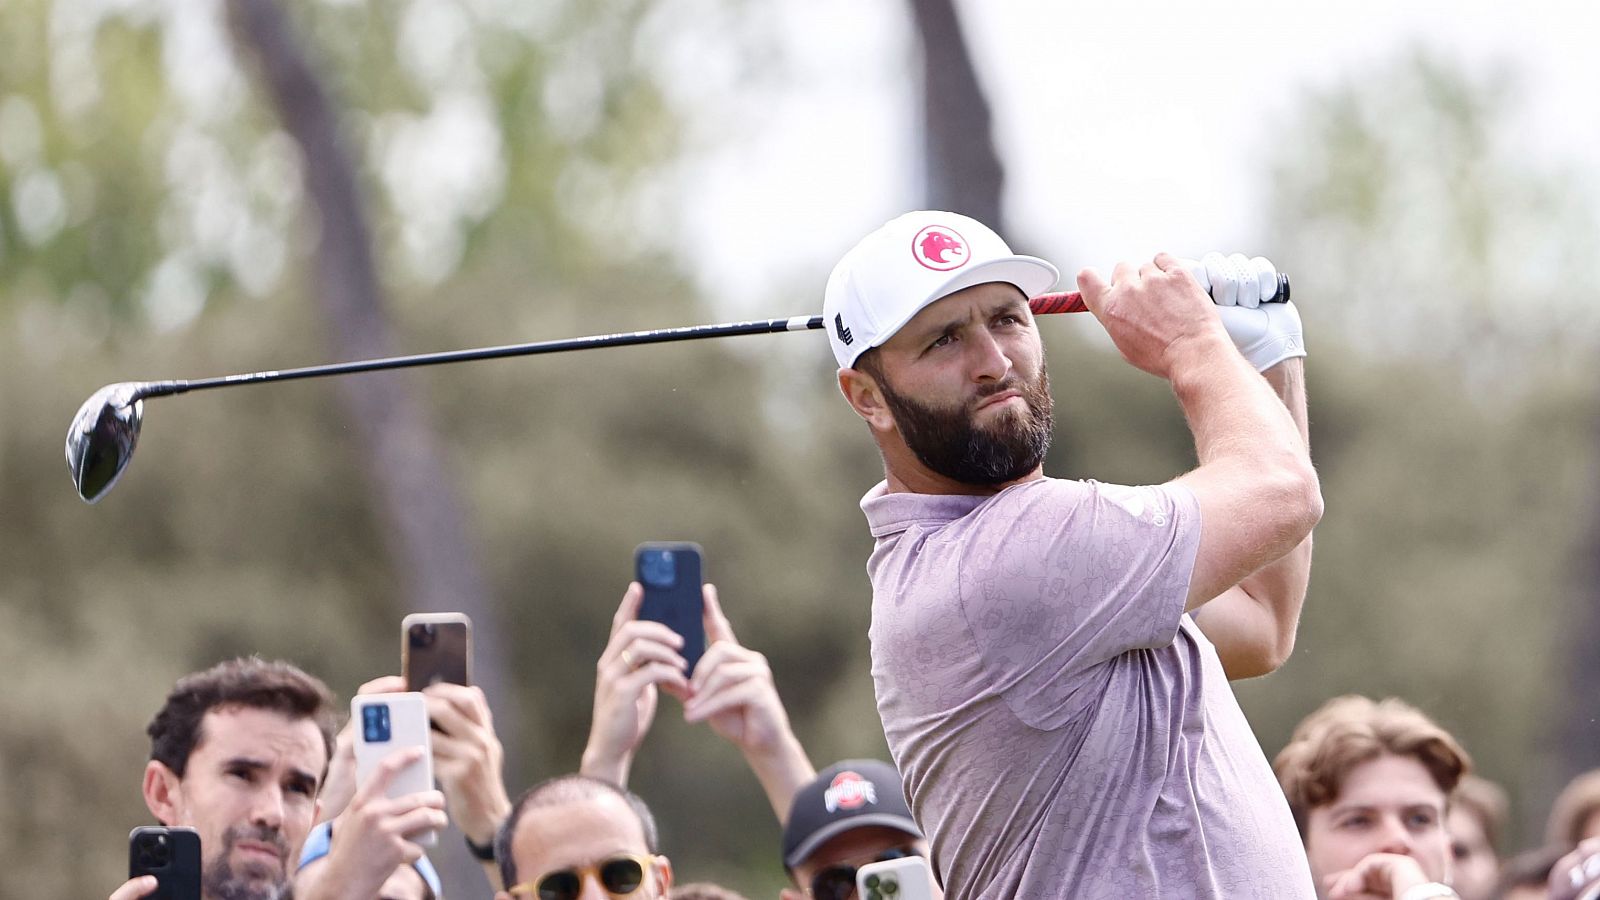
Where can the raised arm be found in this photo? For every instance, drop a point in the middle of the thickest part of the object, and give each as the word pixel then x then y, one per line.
pixel 732 690
pixel 1253 625
pixel 469 762
pixel 640 658
pixel 1258 493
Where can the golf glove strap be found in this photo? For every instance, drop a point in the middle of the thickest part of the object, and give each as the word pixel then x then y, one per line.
pixel 1266 335
pixel 1265 331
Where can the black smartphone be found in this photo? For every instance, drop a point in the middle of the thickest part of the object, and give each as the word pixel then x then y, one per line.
pixel 435 647
pixel 172 855
pixel 672 576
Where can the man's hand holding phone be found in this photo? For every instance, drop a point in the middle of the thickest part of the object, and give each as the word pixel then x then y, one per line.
pixel 732 688
pixel 640 659
pixel 468 760
pixel 376 833
pixel 733 691
pixel 666 618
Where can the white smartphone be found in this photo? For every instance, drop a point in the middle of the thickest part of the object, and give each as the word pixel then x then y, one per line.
pixel 907 878
pixel 386 723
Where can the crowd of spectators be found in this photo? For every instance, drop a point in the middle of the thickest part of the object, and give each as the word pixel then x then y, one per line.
pixel 247 753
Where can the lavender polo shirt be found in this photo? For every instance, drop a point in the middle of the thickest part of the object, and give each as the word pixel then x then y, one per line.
pixel 1063 728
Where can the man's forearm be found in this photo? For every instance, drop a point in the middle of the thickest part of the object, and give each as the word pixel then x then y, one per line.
pixel 1254 627
pixel 1255 483
pixel 1281 586
pixel 782 771
pixel 1235 413
pixel 606 765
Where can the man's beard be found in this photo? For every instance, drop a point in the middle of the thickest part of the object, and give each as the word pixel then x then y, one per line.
pixel 252 880
pixel 951 444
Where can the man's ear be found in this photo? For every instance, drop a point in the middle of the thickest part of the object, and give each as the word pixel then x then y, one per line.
pixel 163 793
pixel 663 874
pixel 866 398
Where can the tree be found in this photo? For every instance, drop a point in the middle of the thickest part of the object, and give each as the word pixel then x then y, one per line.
pixel 1496 278
pixel 964 174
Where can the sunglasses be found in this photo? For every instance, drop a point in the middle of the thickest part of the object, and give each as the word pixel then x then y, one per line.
pixel 620 875
pixel 839 882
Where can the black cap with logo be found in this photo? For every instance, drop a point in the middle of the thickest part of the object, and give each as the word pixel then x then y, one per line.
pixel 855 793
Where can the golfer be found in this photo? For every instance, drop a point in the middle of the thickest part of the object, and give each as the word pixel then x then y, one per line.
pixel 1051 657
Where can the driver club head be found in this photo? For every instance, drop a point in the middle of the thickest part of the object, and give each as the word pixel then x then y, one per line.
pixel 102 436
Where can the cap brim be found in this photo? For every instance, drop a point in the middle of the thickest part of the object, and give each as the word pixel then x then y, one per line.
pixel 826 833
pixel 1032 275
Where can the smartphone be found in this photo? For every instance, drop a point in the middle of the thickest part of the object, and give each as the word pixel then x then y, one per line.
pixel 172 855
pixel 386 723
pixel 435 647
pixel 907 878
pixel 672 577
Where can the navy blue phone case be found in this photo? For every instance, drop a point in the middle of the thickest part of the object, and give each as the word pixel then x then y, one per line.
pixel 672 576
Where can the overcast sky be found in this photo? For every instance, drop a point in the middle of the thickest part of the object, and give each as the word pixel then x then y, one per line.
pixel 1126 127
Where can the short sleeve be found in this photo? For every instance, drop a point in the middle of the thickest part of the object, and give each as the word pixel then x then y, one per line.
pixel 1060 578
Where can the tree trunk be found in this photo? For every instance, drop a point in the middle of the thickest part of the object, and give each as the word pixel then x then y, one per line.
pixel 1579 733
pixel 424 524
pixel 964 174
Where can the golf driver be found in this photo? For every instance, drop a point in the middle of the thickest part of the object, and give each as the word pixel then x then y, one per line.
pixel 103 434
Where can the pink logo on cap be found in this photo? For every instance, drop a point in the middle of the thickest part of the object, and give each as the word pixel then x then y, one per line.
pixel 939 248
pixel 849 790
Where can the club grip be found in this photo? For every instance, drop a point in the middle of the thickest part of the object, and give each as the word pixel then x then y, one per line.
pixel 1072 301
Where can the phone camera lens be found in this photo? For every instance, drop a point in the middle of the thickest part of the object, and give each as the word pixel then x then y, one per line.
pixel 375 728
pixel 424 635
pixel 154 852
pixel 658 569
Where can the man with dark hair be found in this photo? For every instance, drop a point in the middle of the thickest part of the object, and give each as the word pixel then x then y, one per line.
pixel 573 833
pixel 853 813
pixel 238 753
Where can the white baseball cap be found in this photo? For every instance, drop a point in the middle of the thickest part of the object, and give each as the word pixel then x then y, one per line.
pixel 910 262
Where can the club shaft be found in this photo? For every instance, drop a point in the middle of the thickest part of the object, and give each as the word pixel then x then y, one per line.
pixel 1044 304
pixel 624 339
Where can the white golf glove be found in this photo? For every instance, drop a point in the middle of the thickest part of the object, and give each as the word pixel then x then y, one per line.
pixel 1265 331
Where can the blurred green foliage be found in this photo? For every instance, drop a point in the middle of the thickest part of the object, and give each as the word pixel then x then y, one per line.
pixel 1454 513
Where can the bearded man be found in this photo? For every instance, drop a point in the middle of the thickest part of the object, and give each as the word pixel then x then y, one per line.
pixel 1051 657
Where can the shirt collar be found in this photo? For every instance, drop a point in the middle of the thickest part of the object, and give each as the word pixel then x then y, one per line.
pixel 893 513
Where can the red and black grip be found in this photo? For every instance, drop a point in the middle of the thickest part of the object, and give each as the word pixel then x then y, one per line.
pixel 1072 301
